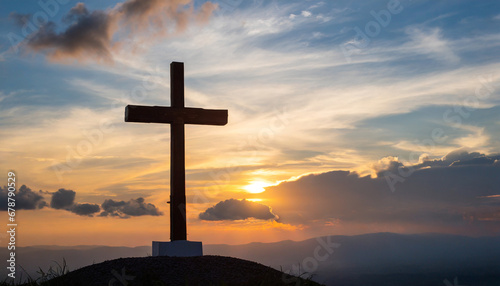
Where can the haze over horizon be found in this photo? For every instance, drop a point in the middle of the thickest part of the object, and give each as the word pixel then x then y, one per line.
pixel 345 117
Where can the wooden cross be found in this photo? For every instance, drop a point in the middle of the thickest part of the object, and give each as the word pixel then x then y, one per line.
pixel 176 115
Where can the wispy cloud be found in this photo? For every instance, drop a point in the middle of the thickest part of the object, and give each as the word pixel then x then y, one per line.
pixel 323 97
pixel 296 106
pixel 432 43
pixel 306 13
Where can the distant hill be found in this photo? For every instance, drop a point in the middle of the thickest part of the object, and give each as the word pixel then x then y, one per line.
pixel 333 260
pixel 382 259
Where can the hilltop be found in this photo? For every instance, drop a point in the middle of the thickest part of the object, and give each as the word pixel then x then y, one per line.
pixel 202 270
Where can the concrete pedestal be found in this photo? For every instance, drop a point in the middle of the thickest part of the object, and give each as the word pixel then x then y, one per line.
pixel 179 248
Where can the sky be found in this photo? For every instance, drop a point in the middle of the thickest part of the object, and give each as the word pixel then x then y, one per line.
pixel 345 117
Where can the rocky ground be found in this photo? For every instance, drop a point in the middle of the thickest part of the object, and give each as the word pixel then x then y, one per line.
pixel 202 270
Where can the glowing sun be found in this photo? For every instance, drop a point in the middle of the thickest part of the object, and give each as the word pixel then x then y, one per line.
pixel 256 187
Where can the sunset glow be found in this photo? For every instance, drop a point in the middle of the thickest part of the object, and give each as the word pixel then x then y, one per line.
pixel 344 117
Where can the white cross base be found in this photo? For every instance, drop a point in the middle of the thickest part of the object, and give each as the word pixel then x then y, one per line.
pixel 178 248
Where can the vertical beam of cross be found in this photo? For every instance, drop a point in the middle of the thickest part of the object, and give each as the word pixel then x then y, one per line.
pixel 178 228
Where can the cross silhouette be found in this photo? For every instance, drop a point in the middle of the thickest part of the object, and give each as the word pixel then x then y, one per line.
pixel 177 116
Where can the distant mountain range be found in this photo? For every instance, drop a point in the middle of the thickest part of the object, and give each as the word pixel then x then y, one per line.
pixel 370 259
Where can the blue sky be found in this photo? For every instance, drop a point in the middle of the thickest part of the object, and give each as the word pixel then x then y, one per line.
pixel 311 87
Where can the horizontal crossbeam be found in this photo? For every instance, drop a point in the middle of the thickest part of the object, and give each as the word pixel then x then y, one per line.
pixel 169 115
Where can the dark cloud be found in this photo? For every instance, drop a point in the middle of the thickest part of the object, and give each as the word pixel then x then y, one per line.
pixel 62 199
pixel 89 35
pixel 112 207
pixel 65 200
pixel 475 161
pixel 85 209
pixel 459 157
pixel 95 34
pixel 458 193
pixel 134 207
pixel 25 198
pixel 237 210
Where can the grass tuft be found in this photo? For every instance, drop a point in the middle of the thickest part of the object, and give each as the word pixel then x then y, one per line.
pixel 59 270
